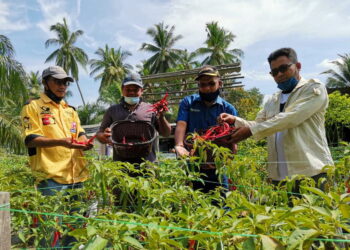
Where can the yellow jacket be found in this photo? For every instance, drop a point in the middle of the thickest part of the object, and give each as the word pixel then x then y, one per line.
pixel 43 117
pixel 302 122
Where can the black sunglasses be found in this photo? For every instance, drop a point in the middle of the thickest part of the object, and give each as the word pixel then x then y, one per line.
pixel 283 68
pixel 59 82
pixel 203 85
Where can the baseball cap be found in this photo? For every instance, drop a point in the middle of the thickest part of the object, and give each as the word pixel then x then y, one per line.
pixel 133 79
pixel 56 72
pixel 207 70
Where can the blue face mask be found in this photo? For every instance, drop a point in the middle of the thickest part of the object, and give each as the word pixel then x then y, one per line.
pixel 132 100
pixel 289 85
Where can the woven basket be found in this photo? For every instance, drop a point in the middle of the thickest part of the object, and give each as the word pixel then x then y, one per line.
pixel 138 136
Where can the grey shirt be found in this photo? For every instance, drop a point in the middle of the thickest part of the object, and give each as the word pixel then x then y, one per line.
pixel 120 112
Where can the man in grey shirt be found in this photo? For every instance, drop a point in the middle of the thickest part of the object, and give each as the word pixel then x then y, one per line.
pixel 132 108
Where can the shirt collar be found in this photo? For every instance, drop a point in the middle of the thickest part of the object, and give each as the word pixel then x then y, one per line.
pixel 47 99
pixel 301 83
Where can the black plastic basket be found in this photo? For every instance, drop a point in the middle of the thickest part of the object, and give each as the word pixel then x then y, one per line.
pixel 138 137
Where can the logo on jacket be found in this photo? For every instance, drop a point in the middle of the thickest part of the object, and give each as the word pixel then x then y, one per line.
pixel 26 123
pixel 45 110
pixel 48 119
pixel 194 110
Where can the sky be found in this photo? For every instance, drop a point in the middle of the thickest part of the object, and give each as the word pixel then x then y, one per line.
pixel 319 30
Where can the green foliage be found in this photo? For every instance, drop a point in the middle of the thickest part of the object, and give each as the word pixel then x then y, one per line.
pixel 217 44
pixel 35 87
pixel 247 102
pixel 341 77
pixel 110 68
pixel 91 113
pixel 111 94
pixel 68 56
pixel 337 116
pixel 164 55
pixel 154 207
pixel 13 95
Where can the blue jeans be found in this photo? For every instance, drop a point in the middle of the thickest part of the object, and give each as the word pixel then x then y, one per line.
pixel 50 187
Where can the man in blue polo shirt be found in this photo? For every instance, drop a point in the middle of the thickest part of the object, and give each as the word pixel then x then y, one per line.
pixel 198 112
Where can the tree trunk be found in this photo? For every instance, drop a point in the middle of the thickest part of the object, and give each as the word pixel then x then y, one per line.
pixel 81 94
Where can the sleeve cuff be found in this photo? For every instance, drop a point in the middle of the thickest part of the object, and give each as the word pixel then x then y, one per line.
pixel 81 134
pixel 30 137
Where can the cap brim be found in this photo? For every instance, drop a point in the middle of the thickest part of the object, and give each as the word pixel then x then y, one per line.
pixel 206 74
pixel 133 83
pixel 63 76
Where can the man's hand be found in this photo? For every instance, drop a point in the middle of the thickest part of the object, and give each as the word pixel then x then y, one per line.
pixel 181 151
pixel 105 136
pixel 68 143
pixel 224 117
pixel 240 134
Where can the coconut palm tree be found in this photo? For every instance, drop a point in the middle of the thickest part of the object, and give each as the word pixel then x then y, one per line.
pixel 164 55
pixel 341 78
pixel 68 56
pixel 218 41
pixel 111 67
pixel 187 60
pixel 13 94
pixel 91 113
pixel 34 84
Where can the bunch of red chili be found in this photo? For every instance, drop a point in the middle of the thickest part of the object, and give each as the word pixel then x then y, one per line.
pixel 83 143
pixel 217 131
pixel 160 106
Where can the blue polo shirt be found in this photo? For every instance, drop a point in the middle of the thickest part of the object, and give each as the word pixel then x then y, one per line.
pixel 198 116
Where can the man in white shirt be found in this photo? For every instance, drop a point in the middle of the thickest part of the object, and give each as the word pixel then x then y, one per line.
pixel 292 120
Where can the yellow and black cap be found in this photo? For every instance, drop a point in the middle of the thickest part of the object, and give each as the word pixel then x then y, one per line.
pixel 207 70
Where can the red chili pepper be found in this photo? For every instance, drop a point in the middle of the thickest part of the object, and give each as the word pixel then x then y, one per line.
pixel 70 227
pixel 231 186
pixel 217 131
pixel 35 221
pixel 56 236
pixel 347 185
pixel 160 106
pixel 124 140
pixel 91 139
pixel 191 244
pixel 142 236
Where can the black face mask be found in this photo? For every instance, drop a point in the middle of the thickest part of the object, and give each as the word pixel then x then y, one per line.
pixel 52 96
pixel 209 97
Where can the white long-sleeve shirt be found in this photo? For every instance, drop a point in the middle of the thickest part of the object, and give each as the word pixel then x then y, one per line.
pixel 302 122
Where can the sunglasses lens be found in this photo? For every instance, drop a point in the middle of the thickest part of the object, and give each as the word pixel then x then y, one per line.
pixel 274 72
pixel 203 85
pixel 283 68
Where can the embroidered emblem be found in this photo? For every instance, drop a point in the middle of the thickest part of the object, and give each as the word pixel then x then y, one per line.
pixel 194 110
pixel 48 119
pixel 45 110
pixel 26 123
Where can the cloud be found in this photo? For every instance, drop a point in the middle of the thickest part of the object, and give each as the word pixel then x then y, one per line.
pixel 257 20
pixel 256 75
pixel 54 11
pixel 90 42
pixel 13 17
pixel 327 64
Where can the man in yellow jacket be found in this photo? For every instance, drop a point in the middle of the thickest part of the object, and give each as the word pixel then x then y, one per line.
pixel 292 120
pixel 54 137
